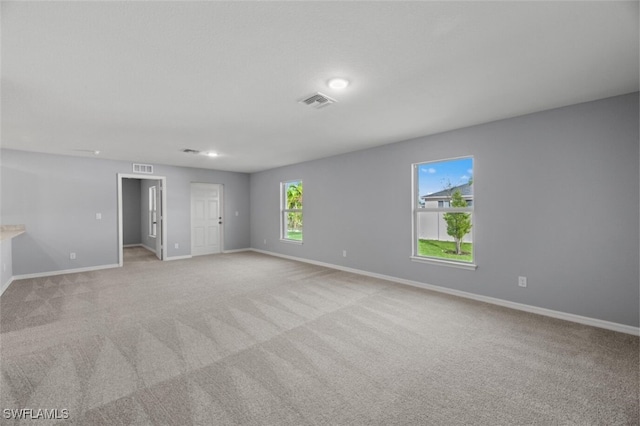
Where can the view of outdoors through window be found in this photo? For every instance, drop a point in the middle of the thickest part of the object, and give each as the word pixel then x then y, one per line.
pixel 292 210
pixel 444 210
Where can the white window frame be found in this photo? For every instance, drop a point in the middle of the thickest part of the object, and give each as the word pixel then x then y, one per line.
pixel 416 210
pixel 284 211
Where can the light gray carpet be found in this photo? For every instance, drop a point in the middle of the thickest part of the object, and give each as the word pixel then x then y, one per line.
pixel 255 340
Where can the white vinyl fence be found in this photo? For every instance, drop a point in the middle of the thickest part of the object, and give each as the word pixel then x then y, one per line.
pixel 432 226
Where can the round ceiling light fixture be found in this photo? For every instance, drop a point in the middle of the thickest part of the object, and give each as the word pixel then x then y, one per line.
pixel 338 83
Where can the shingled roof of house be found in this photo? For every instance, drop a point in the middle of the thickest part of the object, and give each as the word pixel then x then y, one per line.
pixel 464 189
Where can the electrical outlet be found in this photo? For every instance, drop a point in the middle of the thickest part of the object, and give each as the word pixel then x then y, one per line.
pixel 237 213
pixel 4 267
pixel 72 256
pixel 98 216
pixel 265 242
pixel 176 245
pixel 522 281
pixel 344 253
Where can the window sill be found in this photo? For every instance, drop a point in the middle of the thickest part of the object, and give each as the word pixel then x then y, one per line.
pixel 443 262
pixel 282 240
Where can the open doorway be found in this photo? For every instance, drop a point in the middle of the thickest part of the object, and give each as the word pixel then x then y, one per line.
pixel 141 219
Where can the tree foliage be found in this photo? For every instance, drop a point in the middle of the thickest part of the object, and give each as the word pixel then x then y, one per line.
pixel 294 195
pixel 459 223
pixel 294 201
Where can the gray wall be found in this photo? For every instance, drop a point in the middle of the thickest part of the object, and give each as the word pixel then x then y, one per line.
pixel 557 200
pixel 57 198
pixel 131 214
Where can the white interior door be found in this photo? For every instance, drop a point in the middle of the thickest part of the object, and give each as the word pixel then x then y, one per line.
pixel 158 218
pixel 206 218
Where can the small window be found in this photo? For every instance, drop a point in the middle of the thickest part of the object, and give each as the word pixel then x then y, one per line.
pixel 443 201
pixel 291 211
pixel 153 213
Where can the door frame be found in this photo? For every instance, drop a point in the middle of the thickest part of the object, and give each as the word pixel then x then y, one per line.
pixel 220 211
pixel 163 215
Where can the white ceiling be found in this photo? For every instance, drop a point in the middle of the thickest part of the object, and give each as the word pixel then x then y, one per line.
pixel 140 81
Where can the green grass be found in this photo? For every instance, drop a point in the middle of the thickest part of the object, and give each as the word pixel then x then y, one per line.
pixel 294 235
pixel 444 250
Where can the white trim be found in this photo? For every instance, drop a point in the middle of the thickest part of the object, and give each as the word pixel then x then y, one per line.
pixel 186 256
pixel 164 245
pixel 163 216
pixel 594 322
pixel 283 210
pixel 144 246
pixel 416 210
pixel 285 240
pixel 236 250
pixel 444 262
pixel 153 209
pixel 65 271
pixel 152 250
pixel 6 285
pixel 444 210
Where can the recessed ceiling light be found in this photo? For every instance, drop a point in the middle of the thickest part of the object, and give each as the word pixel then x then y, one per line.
pixel 196 152
pixel 96 152
pixel 338 83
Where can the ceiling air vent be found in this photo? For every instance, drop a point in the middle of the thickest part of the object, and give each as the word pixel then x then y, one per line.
pixel 143 168
pixel 318 100
pixel 191 151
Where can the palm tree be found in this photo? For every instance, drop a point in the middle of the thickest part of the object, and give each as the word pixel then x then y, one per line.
pixel 294 195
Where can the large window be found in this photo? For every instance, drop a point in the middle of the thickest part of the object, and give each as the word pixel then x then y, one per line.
pixel 443 203
pixel 291 211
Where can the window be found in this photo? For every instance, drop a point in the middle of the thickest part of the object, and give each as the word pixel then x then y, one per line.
pixel 153 212
pixel 443 203
pixel 291 211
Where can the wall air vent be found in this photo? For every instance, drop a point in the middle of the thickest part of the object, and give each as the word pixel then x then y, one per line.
pixel 143 168
pixel 318 100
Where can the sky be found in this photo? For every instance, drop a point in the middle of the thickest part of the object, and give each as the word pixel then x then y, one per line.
pixel 434 177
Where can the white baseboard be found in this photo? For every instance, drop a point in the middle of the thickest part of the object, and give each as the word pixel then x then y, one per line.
pixel 6 285
pixel 622 328
pixel 152 250
pixel 65 271
pixel 186 256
